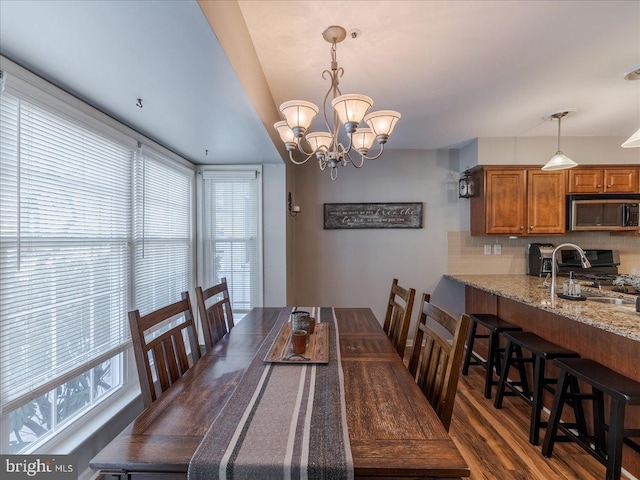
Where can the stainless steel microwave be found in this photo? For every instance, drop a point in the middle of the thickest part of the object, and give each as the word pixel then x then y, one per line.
pixel 614 211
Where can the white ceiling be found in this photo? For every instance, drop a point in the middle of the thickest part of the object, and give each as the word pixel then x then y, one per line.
pixel 456 70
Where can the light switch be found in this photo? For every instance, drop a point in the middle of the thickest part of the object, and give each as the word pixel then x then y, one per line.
pixel 487 249
pixel 497 249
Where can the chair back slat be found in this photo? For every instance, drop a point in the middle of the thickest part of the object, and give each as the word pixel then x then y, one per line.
pixel 436 365
pixel 217 318
pixel 160 351
pixel 398 316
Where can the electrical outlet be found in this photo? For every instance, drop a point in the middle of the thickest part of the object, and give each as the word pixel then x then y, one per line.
pixel 487 249
pixel 497 249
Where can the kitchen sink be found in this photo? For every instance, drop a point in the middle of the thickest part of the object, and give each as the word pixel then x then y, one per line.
pixel 615 301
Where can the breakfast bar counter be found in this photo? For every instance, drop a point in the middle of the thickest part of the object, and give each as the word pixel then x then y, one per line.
pixel 606 333
pixel 619 319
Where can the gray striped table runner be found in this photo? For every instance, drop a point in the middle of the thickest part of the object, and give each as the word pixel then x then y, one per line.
pixel 283 421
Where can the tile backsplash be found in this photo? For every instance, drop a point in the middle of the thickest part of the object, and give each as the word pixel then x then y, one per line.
pixel 465 253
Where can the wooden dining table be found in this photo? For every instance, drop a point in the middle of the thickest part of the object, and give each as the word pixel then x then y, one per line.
pixel 393 431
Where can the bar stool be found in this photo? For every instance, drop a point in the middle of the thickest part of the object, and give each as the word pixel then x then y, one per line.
pixel 495 325
pixel 622 391
pixel 541 350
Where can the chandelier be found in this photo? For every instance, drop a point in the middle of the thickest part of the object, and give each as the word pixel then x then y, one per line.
pixel 350 110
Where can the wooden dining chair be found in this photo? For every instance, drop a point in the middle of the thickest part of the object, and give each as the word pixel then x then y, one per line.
pixel 398 316
pixel 436 365
pixel 217 318
pixel 159 346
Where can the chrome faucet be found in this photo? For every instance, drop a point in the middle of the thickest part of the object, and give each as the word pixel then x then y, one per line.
pixel 554 265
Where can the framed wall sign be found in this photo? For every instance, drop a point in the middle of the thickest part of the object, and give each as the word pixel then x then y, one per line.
pixel 372 215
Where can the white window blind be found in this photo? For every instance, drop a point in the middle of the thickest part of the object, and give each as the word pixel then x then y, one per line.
pixel 163 265
pixel 231 235
pixel 64 253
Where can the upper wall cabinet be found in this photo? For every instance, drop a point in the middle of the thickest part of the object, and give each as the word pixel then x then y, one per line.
pixel 603 180
pixel 518 201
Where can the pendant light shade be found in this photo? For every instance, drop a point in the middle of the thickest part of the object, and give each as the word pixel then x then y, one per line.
pixel 633 140
pixel 632 73
pixel 559 161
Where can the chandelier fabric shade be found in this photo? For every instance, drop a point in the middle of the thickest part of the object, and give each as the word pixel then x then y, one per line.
pixel 349 110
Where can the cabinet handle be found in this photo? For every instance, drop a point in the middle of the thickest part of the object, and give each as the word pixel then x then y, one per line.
pixel 598 186
pixel 522 227
pixel 608 186
pixel 531 227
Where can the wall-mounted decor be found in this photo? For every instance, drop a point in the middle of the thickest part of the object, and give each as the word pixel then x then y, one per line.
pixel 372 215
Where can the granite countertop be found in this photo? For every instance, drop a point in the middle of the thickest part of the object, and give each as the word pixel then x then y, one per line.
pixel 619 319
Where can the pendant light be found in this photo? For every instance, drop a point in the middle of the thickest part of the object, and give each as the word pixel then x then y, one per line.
pixel 559 161
pixel 632 74
pixel 633 140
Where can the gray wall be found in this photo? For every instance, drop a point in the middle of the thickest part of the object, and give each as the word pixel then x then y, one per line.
pixel 356 267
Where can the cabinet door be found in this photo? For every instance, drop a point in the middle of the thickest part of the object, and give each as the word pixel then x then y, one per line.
pixel 546 206
pixel 505 201
pixel 586 180
pixel 621 180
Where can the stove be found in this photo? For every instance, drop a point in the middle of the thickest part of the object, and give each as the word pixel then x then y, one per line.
pixel 603 271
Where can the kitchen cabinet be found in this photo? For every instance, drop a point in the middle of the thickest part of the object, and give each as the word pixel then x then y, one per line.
pixel 604 180
pixel 518 201
pixel 546 206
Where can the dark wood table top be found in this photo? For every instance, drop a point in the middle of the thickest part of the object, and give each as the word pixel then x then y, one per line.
pixel 393 431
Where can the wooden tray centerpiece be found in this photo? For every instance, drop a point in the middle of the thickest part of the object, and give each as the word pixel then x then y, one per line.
pixel 317 347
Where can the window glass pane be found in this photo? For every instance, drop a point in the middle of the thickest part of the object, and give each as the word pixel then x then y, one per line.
pixel 231 236
pixel 38 419
pixel 162 228
pixel 64 261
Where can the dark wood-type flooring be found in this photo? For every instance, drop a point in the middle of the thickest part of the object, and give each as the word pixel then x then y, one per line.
pixel 495 442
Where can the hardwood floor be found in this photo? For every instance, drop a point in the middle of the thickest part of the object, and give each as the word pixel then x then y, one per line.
pixel 495 443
